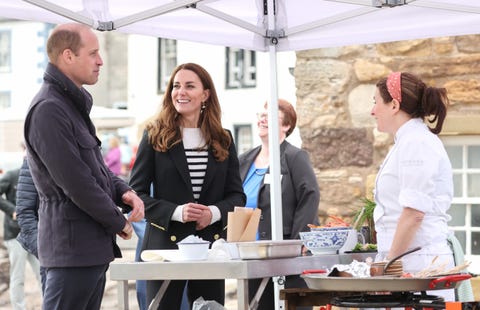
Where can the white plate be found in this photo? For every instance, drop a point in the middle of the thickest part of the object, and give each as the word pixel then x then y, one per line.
pixel 164 255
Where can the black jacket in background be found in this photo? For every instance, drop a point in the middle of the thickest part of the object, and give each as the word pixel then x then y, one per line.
pixel 8 186
pixel 27 210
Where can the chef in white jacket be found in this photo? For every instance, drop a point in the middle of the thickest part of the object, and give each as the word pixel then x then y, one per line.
pixel 414 186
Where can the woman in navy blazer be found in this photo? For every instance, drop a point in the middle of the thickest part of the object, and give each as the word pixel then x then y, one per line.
pixel 190 163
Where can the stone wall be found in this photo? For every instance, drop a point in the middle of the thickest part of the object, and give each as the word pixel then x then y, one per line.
pixel 335 88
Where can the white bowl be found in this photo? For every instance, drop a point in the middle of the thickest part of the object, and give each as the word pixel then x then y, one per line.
pixel 326 241
pixel 193 251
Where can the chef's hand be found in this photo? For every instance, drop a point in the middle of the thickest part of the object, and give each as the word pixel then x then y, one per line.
pixel 138 209
pixel 126 232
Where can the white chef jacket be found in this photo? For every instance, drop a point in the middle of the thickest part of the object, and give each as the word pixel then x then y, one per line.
pixel 416 173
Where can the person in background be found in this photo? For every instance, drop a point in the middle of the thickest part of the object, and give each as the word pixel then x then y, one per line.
pixel 414 186
pixel 193 166
pixel 17 255
pixel 79 196
pixel 113 158
pixel 27 214
pixel 126 157
pixel 140 285
pixel 299 187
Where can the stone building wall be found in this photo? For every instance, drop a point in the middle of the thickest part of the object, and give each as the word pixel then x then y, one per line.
pixel 335 88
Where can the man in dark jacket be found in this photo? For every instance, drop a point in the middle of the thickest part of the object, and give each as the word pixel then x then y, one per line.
pixel 17 255
pixel 79 196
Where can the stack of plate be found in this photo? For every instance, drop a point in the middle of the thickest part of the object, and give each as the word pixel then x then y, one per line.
pixel 394 270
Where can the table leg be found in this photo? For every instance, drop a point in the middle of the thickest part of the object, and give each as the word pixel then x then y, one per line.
pixel 156 301
pixel 256 299
pixel 122 289
pixel 242 294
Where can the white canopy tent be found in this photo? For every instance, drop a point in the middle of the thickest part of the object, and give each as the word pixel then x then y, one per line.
pixel 264 25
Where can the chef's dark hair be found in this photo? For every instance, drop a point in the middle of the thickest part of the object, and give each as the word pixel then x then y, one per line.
pixel 419 100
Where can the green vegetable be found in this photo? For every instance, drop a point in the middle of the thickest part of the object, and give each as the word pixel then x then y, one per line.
pixel 367 247
pixel 365 214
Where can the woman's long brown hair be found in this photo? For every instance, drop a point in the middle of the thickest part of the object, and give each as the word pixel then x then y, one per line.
pixel 164 131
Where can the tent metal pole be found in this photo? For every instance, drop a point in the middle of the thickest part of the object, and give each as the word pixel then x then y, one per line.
pixel 274 144
pixel 446 6
pixel 330 20
pixel 125 21
pixel 62 12
pixel 231 19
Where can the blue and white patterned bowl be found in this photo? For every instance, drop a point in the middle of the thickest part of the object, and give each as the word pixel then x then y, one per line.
pixel 324 241
pixel 330 228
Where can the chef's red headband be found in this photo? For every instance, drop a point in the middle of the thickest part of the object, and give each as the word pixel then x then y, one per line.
pixel 394 85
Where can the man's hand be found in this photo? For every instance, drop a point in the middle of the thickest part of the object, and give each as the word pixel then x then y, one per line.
pixel 138 209
pixel 126 232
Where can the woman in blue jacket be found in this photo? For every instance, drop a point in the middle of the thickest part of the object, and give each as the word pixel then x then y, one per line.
pixel 300 191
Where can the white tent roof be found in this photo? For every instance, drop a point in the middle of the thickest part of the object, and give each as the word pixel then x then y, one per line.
pixel 299 24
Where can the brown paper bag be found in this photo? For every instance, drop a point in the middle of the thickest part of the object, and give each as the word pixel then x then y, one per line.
pixel 250 232
pixel 240 225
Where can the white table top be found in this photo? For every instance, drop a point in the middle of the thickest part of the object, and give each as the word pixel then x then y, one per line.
pixel 226 269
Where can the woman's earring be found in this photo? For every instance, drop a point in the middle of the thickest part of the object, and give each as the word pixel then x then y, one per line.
pixel 203 107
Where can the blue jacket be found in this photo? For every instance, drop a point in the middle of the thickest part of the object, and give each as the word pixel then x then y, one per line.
pixel 78 194
pixel 27 210
pixel 300 192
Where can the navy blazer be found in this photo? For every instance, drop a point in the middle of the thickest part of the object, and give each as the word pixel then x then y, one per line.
pixel 162 180
pixel 300 192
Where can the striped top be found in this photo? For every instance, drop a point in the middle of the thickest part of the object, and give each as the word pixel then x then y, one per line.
pixel 197 159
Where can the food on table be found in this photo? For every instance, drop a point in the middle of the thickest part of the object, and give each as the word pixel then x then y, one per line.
pixel 334 222
pixel 367 247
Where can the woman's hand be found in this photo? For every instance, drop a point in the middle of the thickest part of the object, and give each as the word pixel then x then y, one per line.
pixel 194 212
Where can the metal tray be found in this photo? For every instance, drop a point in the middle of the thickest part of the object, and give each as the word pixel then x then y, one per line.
pixel 265 249
pixel 382 283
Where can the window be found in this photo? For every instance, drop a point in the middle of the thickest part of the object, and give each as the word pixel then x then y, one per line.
pixel 167 62
pixel 243 137
pixel 241 68
pixel 5 101
pixel 5 51
pixel 464 154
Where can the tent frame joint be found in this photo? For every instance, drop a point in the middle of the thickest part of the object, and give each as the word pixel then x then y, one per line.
pixel 105 26
pixel 274 35
pixel 389 3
